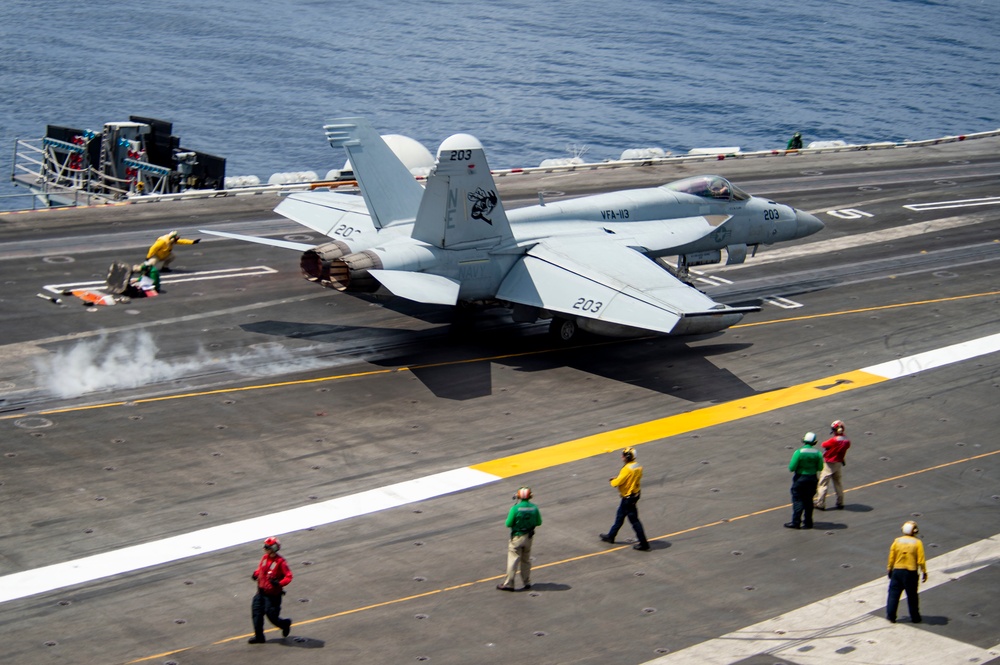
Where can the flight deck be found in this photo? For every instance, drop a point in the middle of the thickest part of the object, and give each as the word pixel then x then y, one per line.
pixel 149 447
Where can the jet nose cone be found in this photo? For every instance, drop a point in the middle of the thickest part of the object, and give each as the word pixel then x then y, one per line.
pixel 806 224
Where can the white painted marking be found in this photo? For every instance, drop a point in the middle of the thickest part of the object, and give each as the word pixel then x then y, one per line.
pixel 849 213
pixel 711 280
pixel 945 205
pixel 920 362
pixel 812 634
pixel 783 303
pixel 88 569
pixel 174 278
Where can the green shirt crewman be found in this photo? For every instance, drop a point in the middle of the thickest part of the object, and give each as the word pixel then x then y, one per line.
pixel 522 519
pixel 806 463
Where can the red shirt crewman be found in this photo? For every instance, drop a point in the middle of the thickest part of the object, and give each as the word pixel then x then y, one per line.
pixel 272 575
pixel 834 451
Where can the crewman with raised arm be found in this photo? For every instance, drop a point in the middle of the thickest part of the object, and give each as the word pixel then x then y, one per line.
pixel 161 252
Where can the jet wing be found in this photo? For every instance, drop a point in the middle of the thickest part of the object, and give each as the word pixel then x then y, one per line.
pixel 600 280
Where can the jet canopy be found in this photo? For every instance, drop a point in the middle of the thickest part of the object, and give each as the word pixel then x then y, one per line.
pixel 710 187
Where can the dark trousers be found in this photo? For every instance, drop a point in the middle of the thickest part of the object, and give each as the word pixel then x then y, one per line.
pixel 803 491
pixel 900 580
pixel 266 605
pixel 628 508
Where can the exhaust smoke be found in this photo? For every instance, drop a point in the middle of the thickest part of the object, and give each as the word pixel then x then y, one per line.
pixel 130 360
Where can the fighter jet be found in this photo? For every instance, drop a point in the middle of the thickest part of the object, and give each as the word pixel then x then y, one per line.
pixel 587 263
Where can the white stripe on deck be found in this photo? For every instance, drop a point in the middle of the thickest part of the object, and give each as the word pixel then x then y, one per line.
pixel 840 629
pixel 88 569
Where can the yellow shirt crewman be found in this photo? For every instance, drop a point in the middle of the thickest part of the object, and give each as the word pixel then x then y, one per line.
pixel 906 558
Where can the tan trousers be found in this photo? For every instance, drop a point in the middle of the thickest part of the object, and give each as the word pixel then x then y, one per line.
pixel 831 471
pixel 158 264
pixel 518 551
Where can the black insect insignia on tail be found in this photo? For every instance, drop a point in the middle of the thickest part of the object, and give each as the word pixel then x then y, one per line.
pixel 483 203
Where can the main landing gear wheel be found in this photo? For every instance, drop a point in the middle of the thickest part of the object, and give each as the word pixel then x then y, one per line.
pixel 563 330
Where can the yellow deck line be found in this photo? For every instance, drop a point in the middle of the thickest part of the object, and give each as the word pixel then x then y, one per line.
pixel 654 430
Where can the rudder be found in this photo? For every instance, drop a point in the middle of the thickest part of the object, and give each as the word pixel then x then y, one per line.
pixel 390 191
pixel 460 205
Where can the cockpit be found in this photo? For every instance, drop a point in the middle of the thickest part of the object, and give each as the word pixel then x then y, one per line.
pixel 709 186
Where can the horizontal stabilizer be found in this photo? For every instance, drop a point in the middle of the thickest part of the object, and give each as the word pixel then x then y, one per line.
pixel 284 244
pixel 419 286
pixel 325 212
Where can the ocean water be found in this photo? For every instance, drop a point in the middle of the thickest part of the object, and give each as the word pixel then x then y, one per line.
pixel 255 81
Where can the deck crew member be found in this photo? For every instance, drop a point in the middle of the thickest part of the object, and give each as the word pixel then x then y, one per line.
pixel 522 519
pixel 806 462
pixel 834 451
pixel 906 558
pixel 272 576
pixel 161 252
pixel 627 482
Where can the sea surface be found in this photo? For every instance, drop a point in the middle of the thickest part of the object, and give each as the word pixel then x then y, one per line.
pixel 255 81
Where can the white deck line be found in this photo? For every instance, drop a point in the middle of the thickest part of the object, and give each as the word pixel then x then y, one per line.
pixel 814 633
pixel 137 557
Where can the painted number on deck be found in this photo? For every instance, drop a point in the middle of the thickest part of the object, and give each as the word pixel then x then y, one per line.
pixel 588 305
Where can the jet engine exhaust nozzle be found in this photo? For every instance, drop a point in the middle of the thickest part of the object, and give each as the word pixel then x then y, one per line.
pixel 315 262
pixel 350 273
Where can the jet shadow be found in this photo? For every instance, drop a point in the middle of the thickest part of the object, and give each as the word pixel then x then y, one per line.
pixel 455 361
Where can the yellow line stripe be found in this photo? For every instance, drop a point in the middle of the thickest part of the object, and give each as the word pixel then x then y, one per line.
pixel 863 310
pixel 635 435
pixel 299 382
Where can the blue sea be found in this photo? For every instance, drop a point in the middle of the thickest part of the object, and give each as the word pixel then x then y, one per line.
pixel 255 81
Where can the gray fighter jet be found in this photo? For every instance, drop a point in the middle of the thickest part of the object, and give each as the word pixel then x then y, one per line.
pixel 587 263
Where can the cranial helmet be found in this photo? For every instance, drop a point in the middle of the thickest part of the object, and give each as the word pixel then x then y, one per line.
pixel 809 439
pixel 629 454
pixel 524 493
pixel 837 427
pixel 910 528
pixel 272 544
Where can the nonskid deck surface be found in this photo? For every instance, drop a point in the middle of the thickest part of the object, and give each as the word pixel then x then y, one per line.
pixel 166 437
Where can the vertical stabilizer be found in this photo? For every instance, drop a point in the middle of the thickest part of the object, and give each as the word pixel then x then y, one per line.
pixel 460 206
pixel 390 190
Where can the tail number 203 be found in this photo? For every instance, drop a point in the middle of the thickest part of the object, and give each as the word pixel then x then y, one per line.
pixel 588 305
